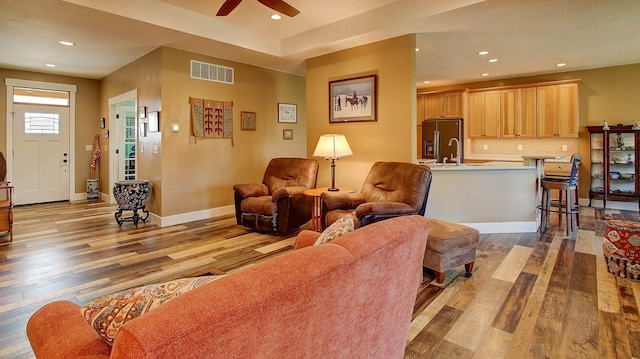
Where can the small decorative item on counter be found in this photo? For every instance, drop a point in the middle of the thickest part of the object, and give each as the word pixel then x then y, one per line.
pixel 606 126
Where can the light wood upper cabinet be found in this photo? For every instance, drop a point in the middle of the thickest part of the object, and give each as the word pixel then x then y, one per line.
pixel 484 114
pixel 443 105
pixel 518 112
pixel 558 110
pixel 452 105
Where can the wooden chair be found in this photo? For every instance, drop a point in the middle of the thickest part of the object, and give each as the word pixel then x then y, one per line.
pixel 6 201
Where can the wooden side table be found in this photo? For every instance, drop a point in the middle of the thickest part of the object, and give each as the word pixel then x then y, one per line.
pixel 316 209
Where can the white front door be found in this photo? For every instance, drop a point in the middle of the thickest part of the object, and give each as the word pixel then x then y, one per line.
pixel 41 153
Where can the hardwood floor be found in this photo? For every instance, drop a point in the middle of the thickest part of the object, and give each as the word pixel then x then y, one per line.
pixel 531 295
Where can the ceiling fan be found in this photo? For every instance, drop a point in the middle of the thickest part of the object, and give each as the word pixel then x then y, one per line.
pixel 277 5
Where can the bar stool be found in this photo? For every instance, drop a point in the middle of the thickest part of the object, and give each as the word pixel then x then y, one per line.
pixel 567 202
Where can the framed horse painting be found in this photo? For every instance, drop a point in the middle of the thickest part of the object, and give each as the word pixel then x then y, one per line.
pixel 353 99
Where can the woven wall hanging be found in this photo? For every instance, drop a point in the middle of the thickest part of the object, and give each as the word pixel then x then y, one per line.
pixel 211 119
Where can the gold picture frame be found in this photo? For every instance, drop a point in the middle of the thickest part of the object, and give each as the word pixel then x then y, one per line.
pixel 287 134
pixel 247 121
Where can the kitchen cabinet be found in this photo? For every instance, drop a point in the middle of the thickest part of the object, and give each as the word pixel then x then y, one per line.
pixel 484 114
pixel 443 105
pixel 614 169
pixel 557 107
pixel 518 112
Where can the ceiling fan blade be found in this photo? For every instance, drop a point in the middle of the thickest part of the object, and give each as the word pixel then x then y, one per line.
pixel 281 7
pixel 228 7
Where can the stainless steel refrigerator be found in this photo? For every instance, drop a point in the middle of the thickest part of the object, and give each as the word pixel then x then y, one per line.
pixel 436 136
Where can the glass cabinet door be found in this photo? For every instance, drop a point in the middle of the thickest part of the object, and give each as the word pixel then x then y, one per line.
pixel 597 163
pixel 622 163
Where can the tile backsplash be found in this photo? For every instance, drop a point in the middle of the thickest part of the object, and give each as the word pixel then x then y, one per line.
pixel 510 147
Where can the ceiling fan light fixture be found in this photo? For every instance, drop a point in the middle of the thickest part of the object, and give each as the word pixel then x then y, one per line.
pixel 276 17
pixel 278 5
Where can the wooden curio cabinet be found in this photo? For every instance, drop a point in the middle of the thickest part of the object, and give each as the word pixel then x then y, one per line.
pixel 614 163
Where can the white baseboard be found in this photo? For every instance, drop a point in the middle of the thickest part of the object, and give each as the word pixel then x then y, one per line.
pixel 623 206
pixel 175 219
pixel 191 216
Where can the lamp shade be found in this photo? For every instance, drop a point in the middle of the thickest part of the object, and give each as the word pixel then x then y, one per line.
pixel 332 146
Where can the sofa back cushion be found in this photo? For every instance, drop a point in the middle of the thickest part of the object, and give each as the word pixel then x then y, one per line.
pixel 363 283
pixel 290 172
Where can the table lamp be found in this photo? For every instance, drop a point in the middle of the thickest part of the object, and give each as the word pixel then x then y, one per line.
pixel 332 147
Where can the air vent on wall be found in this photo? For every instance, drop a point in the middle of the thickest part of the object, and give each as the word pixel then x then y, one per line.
pixel 211 72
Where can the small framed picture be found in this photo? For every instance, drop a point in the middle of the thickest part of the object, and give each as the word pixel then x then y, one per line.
pixel 248 121
pixel 154 121
pixel 102 123
pixel 143 129
pixel 287 113
pixel 287 134
pixel 142 112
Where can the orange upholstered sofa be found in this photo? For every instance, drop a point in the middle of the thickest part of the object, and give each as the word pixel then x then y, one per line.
pixel 349 298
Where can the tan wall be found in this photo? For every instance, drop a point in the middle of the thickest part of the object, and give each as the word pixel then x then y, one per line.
pixel 392 136
pixel 87 116
pixel 144 75
pixel 198 174
pixel 606 94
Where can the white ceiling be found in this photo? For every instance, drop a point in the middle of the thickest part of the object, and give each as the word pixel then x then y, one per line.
pixel 527 37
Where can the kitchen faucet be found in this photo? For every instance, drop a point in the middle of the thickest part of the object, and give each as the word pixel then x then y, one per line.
pixel 456 159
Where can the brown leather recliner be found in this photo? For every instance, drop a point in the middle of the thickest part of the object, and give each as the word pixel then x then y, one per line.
pixel 391 189
pixel 278 204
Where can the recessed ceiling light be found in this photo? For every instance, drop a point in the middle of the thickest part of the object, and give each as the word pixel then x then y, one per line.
pixel 561 64
pixel 276 17
pixel 483 53
pixel 66 43
pixel 485 74
pixel 492 60
pixel 417 49
pixel 427 82
pixel 49 65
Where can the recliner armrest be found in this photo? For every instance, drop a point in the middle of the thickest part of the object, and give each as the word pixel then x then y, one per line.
pixel 251 189
pixel 286 192
pixel 342 200
pixel 384 208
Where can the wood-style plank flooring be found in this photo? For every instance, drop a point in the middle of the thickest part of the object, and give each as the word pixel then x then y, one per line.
pixel 531 295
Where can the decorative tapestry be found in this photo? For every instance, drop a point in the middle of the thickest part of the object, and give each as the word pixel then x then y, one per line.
pixel 213 119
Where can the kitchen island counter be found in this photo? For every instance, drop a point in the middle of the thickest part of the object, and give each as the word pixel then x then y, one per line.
pixel 491 197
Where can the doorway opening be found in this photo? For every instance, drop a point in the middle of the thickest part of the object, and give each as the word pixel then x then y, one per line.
pixel 123 127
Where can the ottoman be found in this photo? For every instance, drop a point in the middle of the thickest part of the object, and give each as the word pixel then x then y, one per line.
pixel 621 248
pixel 450 245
